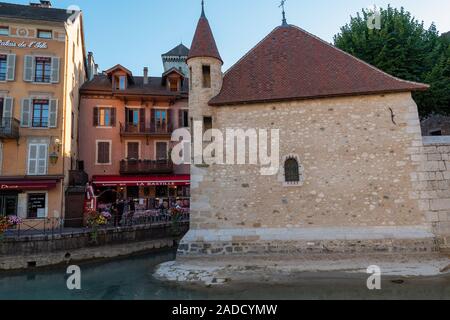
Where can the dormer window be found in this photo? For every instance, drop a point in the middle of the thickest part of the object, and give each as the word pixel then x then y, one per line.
pixel 122 82
pixel 173 85
pixel 4 31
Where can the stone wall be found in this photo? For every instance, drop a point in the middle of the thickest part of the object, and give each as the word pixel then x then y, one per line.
pixel 432 184
pixel 357 156
pixel 32 245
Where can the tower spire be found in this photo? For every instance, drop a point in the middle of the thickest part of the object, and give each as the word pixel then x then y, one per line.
pixel 203 9
pixel 284 22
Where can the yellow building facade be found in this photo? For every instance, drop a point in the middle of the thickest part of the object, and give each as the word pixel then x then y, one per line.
pixel 42 66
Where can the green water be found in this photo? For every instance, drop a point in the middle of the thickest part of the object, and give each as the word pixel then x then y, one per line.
pixel 131 279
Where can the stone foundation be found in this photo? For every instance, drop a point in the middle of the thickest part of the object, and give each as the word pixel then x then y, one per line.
pixel 312 240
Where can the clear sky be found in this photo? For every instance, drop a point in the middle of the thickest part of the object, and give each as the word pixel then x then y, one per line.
pixel 135 33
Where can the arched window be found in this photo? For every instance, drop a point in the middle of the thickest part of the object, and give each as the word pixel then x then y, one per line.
pixel 291 170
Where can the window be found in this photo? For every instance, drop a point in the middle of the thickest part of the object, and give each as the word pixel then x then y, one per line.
pixel 184 119
pixel 161 119
pixel 133 117
pixel 206 71
pixel 103 152
pixel 37 206
pixel 190 78
pixel 3 66
pixel 133 150
pixel 122 82
pixel 436 133
pixel 40 114
pixel 173 83
pixel 45 34
pixel 37 159
pixel 291 170
pixel 104 117
pixel 72 126
pixel 43 70
pixel 161 151
pixel 4 31
pixel 207 125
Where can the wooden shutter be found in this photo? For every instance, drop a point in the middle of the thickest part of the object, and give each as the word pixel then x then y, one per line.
pixel 53 114
pixel 32 159
pixel 25 117
pixel 180 118
pixel 11 67
pixel 28 70
pixel 55 70
pixel 103 156
pixel 161 151
pixel 142 120
pixel 8 108
pixel 95 120
pixel 42 159
pixel 153 120
pixel 113 117
pixel 133 150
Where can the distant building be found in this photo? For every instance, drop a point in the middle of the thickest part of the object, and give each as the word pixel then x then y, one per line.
pixel 176 58
pixel 436 125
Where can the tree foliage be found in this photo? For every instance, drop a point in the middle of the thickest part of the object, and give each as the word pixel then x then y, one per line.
pixel 403 47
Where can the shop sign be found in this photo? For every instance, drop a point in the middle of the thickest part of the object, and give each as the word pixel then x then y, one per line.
pixel 24 44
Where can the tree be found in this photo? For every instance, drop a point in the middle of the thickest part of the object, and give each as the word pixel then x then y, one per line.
pixel 405 49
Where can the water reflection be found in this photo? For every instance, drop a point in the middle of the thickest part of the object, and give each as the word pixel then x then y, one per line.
pixel 131 279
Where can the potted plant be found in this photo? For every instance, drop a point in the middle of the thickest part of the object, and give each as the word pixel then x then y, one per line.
pixel 95 220
pixel 8 223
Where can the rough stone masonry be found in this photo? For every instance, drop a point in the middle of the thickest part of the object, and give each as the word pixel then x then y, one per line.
pixel 368 183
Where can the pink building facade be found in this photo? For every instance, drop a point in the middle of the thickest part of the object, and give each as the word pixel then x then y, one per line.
pixel 126 124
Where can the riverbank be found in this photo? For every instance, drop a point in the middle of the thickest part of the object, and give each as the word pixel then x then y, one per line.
pixel 9 263
pixel 223 270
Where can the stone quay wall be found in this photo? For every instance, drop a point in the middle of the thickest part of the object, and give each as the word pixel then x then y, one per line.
pixel 432 184
pixel 66 243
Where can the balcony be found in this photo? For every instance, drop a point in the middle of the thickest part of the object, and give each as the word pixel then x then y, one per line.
pixel 136 167
pixel 9 128
pixel 129 129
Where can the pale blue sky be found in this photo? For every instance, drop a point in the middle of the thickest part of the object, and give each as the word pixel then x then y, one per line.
pixel 135 33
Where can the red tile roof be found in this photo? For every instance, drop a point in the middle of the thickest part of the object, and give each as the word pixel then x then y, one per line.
pixel 291 64
pixel 204 44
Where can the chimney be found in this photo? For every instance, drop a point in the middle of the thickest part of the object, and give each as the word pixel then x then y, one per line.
pixel 42 4
pixel 145 75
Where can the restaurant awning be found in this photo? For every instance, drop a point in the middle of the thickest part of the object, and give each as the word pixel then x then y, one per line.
pixel 144 181
pixel 12 185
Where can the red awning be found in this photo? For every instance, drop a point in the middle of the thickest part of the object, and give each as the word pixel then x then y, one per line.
pixel 28 185
pixel 124 181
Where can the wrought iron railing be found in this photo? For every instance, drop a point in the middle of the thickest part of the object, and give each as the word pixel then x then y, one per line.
pixel 137 129
pixel 54 227
pixel 145 166
pixel 9 128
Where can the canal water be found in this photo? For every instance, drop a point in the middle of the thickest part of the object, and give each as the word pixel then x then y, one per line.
pixel 131 279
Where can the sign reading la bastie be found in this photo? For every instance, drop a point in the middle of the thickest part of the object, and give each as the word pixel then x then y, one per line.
pixel 24 44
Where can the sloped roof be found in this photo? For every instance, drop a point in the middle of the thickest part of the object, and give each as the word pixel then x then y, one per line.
pixel 102 83
pixel 179 51
pixel 291 63
pixel 204 44
pixel 17 11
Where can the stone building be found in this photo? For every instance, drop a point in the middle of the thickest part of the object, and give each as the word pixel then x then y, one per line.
pixel 436 125
pixel 176 58
pixel 353 175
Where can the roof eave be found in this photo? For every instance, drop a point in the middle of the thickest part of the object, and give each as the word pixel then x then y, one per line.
pixel 350 94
